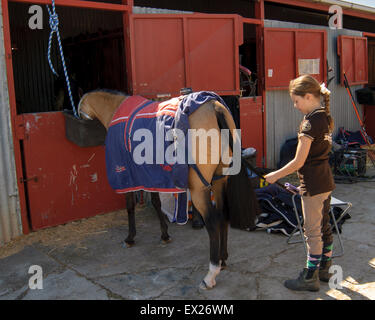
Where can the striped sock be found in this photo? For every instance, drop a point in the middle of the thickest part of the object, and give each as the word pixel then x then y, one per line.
pixel 313 261
pixel 327 252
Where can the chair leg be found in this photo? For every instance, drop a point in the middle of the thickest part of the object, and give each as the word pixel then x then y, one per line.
pixel 338 235
pixel 342 215
pixel 335 222
pixel 299 226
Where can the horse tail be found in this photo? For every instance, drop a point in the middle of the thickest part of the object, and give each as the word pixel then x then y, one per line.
pixel 240 200
pixel 225 121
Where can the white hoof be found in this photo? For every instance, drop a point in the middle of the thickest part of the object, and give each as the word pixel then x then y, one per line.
pixel 204 286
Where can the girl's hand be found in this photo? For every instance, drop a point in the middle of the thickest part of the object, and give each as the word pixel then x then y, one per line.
pixel 271 177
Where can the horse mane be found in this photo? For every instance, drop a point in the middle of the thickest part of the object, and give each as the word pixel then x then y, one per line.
pixel 109 98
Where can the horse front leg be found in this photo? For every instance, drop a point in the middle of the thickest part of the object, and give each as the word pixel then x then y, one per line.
pixel 155 200
pixel 212 218
pixel 130 207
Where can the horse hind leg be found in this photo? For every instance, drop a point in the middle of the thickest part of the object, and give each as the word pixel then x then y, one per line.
pixel 218 188
pixel 155 200
pixel 212 218
pixel 130 206
pixel 224 243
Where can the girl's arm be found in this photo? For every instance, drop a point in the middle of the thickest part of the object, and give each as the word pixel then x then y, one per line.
pixel 303 148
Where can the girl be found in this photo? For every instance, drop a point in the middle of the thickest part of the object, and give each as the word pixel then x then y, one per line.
pixel 316 180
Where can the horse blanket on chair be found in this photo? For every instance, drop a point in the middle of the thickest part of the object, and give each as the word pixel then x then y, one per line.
pixel 141 144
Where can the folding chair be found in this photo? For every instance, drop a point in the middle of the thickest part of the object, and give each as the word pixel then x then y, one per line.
pixel 334 203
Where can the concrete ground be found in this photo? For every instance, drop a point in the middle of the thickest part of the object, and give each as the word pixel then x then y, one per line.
pixel 85 260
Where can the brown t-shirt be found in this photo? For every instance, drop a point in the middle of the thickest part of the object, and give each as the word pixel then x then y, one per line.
pixel 316 175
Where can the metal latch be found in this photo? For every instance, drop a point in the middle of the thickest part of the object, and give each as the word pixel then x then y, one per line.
pixel 35 179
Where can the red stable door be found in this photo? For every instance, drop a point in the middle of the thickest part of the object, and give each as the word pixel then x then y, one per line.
pixel 173 51
pixel 251 123
pixel 64 182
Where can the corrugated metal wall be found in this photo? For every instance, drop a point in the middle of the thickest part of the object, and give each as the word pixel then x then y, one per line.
pixel 147 10
pixel 243 7
pixel 10 218
pixel 33 78
pixel 283 120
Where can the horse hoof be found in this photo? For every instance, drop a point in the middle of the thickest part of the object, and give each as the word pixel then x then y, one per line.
pixel 169 240
pixel 204 286
pixel 127 244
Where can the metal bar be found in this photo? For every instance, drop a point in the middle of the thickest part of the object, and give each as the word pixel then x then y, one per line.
pixel 80 4
pixel 238 40
pixel 299 226
pixel 127 45
pixel 338 234
pixel 129 3
pixel 259 31
pixel 259 10
pixel 343 214
pixel 252 21
pixel 13 113
pixel 131 55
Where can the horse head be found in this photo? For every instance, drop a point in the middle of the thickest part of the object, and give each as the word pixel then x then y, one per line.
pixel 84 110
pixel 100 104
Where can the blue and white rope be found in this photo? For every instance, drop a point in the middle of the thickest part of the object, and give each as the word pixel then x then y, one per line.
pixel 54 25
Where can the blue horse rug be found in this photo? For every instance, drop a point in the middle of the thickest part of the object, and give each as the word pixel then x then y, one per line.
pixel 141 146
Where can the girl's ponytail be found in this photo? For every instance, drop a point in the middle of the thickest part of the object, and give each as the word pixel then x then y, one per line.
pixel 327 102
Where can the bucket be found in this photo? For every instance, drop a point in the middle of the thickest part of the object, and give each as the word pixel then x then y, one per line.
pixel 84 133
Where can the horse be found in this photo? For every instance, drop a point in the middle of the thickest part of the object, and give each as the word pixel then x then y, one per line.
pixel 212 115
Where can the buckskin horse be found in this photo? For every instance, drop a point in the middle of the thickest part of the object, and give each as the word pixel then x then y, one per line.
pixel 118 114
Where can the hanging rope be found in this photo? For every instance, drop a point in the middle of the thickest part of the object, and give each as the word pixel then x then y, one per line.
pixel 54 25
